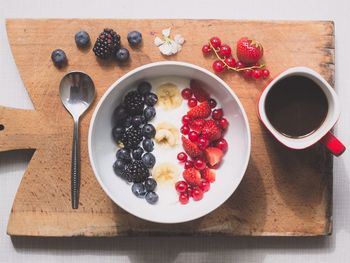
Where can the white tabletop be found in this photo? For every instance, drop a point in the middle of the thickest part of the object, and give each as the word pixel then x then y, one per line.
pixel 335 248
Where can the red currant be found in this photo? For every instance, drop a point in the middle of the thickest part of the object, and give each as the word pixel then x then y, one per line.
pixel 199 164
pixel 186 93
pixel 222 144
pixel 185 129
pixel 225 51
pixel 193 136
pixel 197 194
pixel 206 49
pixel 183 198
pixel 231 62
pixel 215 42
pixel 212 103
pixel 188 164
pixel 239 64
pixel 218 66
pixel 204 186
pixel 265 73
pixel 203 143
pixel 217 114
pixel 248 73
pixel 189 191
pixel 223 123
pixel 185 119
pixel 182 157
pixel 181 186
pixel 256 73
pixel 192 102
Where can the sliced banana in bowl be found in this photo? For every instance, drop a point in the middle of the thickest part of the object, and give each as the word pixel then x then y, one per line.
pixel 167 134
pixel 169 96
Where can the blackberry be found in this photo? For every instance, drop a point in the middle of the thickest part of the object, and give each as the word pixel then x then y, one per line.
pixel 134 103
pixel 132 138
pixel 107 44
pixel 136 172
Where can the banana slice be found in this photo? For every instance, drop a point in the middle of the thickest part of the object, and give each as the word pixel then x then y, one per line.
pixel 167 134
pixel 169 96
pixel 166 173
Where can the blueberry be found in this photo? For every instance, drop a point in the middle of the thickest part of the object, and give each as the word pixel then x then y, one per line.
pixel 149 113
pixel 149 160
pixel 150 184
pixel 151 99
pixel 144 88
pixel 117 133
pixel 119 167
pixel 124 154
pixel 82 39
pixel 148 131
pixel 137 153
pixel 137 121
pixel 138 189
pixel 148 145
pixel 127 122
pixel 122 55
pixel 152 198
pixel 59 58
pixel 119 115
pixel 134 38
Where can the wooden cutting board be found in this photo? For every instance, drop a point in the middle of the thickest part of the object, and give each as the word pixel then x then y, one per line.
pixel 283 192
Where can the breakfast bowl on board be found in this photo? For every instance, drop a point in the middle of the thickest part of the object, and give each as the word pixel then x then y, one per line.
pixel 169 142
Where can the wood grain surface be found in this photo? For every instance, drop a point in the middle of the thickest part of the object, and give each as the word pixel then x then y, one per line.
pixel 282 193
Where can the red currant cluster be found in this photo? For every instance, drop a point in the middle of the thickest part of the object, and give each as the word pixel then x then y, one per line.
pixel 225 61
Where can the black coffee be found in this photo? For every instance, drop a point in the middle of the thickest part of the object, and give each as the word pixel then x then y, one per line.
pixel 296 106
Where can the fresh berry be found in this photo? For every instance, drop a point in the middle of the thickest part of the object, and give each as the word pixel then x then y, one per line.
pixel 185 119
pixel 127 122
pixel 215 42
pixel 119 167
pixel 134 103
pixel 216 166
pixel 213 155
pixel 209 175
pixel 231 62
pixel 119 115
pixel 211 131
pixel 185 129
pixel 199 90
pixel 183 198
pixel 204 185
pixel 197 194
pixel 192 103
pixel 193 136
pixel 182 157
pixel 212 103
pixel 82 39
pixel 107 44
pixel 148 145
pixel 197 125
pixel 190 148
pixel 218 66
pixel 148 160
pixel 186 93
pixel 59 58
pixel 137 153
pixel 206 49
pixel 144 88
pixel 138 189
pixel 181 186
pixel 132 137
pixel 257 74
pixel 123 154
pixel 225 51
pixel 240 64
pixel 189 191
pixel 149 113
pixel 152 198
pixel 202 143
pixel 134 38
pixel 249 51
pixel 117 133
pixel 265 73
pixel 150 184
pixel 137 121
pixel 217 114
pixel 199 164
pixel 223 123
pixel 192 176
pixel 151 99
pixel 148 131
pixel 122 55
pixel 136 172
pixel 188 164
pixel 200 111
pixel 221 144
pixel 247 73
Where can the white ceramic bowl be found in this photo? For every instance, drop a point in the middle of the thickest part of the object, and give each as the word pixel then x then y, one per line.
pixel 102 148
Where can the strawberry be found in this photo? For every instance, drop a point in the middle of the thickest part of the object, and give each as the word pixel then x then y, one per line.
pixel 209 175
pixel 200 111
pixel 192 176
pixel 213 155
pixel 199 90
pixel 197 125
pixel 211 131
pixel 249 51
pixel 190 148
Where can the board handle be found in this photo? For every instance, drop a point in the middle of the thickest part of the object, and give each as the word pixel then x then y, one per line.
pixel 333 144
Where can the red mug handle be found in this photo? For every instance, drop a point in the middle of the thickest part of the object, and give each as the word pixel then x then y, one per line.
pixel 333 144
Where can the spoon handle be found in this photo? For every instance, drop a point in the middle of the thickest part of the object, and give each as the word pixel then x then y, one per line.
pixel 75 176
